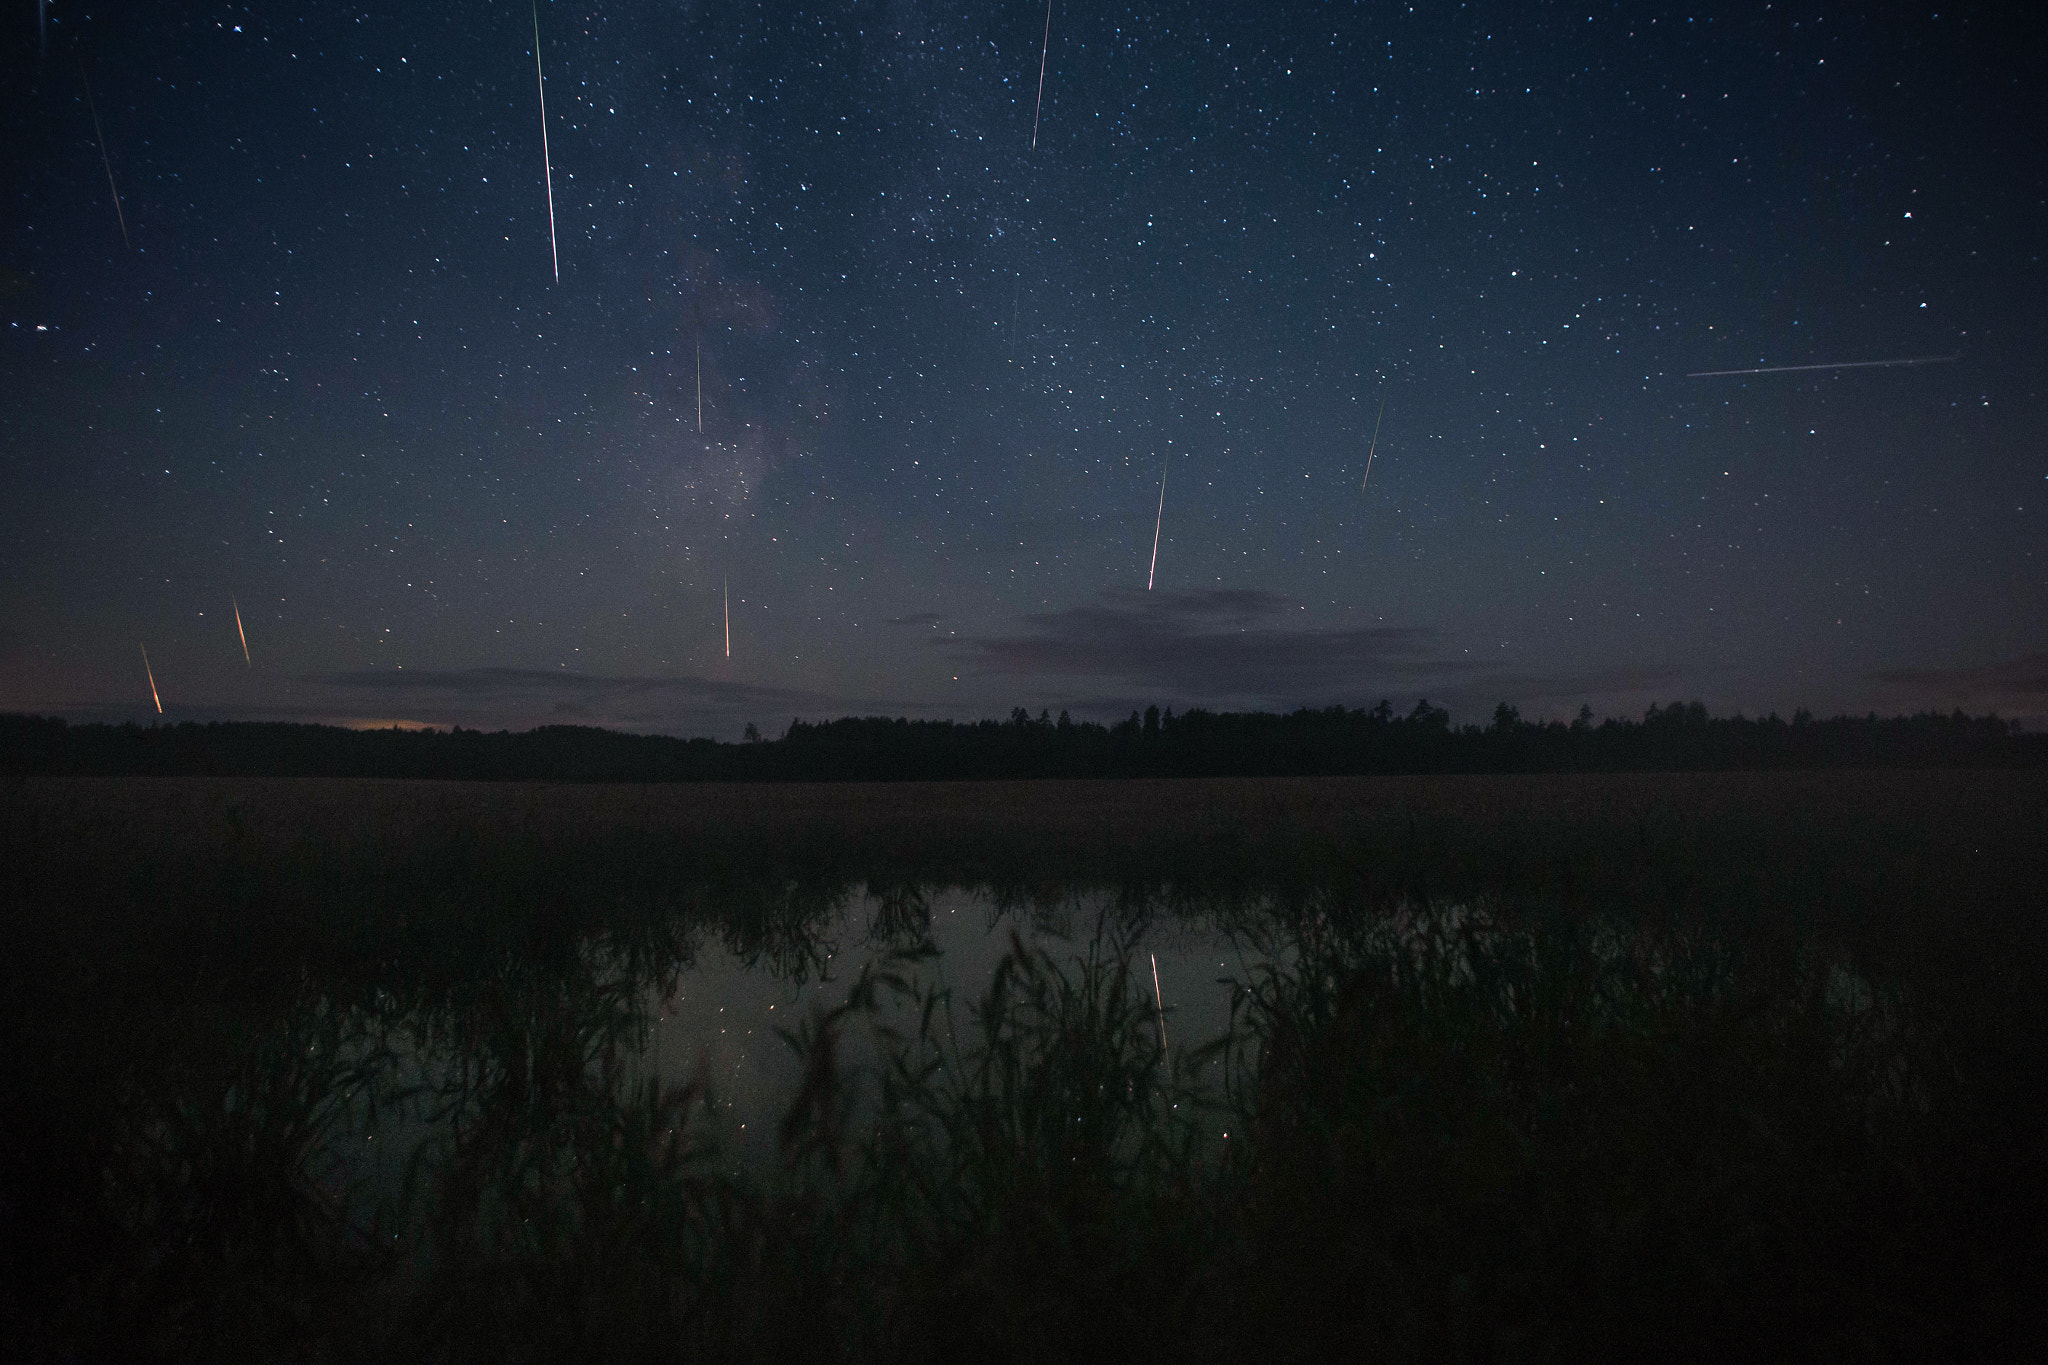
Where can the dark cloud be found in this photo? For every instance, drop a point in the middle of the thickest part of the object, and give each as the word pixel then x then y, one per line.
pixel 1598 682
pixel 518 697
pixel 1609 691
pixel 540 684
pixel 203 713
pixel 1469 693
pixel 1223 645
pixel 512 698
pixel 1236 648
pixel 2018 683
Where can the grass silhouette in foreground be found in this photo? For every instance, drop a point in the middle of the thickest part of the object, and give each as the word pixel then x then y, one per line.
pixel 1539 1067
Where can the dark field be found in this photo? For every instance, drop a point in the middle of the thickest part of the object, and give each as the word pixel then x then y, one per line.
pixel 1523 1067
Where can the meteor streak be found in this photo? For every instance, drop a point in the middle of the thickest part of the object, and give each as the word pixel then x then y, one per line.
pixel 1043 48
pixel 1840 365
pixel 546 161
pixel 700 383
pixel 728 618
pixel 152 680
pixel 119 216
pixel 1160 1001
pixel 1375 442
pixel 239 631
pixel 1158 521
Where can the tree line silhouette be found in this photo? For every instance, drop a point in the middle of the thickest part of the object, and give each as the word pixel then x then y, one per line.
pixel 1197 743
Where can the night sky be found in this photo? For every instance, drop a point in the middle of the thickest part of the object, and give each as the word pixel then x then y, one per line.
pixel 332 376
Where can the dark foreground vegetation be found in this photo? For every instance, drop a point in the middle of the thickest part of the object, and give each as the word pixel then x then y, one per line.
pixel 1549 1067
pixel 1336 741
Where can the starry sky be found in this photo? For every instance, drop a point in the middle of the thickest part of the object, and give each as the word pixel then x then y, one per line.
pixel 833 341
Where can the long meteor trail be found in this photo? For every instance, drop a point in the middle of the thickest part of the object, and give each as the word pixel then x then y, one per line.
pixel 546 161
pixel 728 618
pixel 1157 522
pixel 152 681
pixel 240 632
pixel 1840 365
pixel 1375 442
pixel 106 161
pixel 1044 47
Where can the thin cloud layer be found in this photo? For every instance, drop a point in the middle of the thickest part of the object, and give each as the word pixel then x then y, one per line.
pixel 1222 644
pixel 1661 683
pixel 505 681
pixel 2019 684
pixel 537 695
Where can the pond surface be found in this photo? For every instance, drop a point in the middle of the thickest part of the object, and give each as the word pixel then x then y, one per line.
pixel 730 1021
pixel 426 1072
pixel 726 1016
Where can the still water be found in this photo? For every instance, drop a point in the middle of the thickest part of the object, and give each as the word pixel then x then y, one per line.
pixel 726 1017
pixel 728 1020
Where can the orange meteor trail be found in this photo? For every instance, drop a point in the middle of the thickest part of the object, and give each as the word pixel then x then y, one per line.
pixel 239 631
pixel 1157 522
pixel 152 681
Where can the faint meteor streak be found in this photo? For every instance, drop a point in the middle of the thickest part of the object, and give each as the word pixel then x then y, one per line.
pixel 700 383
pixel 1157 522
pixel 105 160
pixel 1044 47
pixel 546 161
pixel 152 681
pixel 728 618
pixel 239 631
pixel 1839 365
pixel 1160 1001
pixel 1375 442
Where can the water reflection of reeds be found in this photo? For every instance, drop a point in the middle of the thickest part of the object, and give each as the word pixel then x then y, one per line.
pixel 282 1089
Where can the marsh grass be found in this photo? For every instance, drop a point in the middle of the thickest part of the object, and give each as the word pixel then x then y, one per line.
pixel 1445 1133
pixel 1554 1138
pixel 1517 1072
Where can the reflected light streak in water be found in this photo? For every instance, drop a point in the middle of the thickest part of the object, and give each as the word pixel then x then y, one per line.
pixel 722 1021
pixel 717 1017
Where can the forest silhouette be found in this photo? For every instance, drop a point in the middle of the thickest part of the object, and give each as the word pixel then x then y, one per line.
pixel 1681 737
